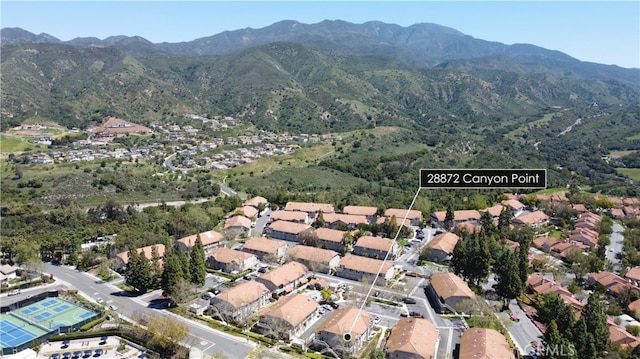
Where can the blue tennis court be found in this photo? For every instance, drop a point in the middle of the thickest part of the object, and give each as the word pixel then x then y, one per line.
pixel 12 334
pixel 49 302
pixel 61 308
pixel 87 315
pixel 42 315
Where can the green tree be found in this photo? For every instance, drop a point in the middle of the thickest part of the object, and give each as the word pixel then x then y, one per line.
pixel 596 322
pixel 449 218
pixel 504 221
pixel 486 221
pixel 138 273
pixel 553 308
pixel 172 273
pixel 197 264
pixel 508 286
pixel 319 222
pixel 472 259
pixel 583 341
pixel 556 346
pixel 183 258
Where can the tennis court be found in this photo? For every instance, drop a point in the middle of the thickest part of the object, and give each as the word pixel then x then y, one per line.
pixel 53 313
pixel 14 332
pixel 21 326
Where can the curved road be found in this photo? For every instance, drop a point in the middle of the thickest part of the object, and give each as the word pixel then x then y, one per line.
pixel 208 340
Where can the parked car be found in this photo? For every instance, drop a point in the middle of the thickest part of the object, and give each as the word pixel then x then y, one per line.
pixel 376 320
pixel 416 315
pixel 14 292
pixel 113 307
pixel 404 314
pixel 409 300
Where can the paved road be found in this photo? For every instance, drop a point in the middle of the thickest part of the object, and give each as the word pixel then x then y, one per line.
pixel 201 336
pixel 616 245
pixel 523 332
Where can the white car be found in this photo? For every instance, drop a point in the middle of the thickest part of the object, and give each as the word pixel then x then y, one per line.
pixel 113 307
pixel 14 292
pixel 376 320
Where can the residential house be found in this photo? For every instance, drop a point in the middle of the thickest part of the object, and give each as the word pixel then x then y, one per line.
pixel 316 259
pixel 122 258
pixel 332 239
pixel 370 212
pixel 613 283
pixel 290 216
pixel 584 235
pixel 365 269
pixel 310 208
pixel 441 246
pixel 7 272
pixel 288 318
pixel 247 211
pixel 412 338
pixel 238 224
pixel 209 239
pixel 352 321
pixel 446 290
pixel 538 283
pixel 633 275
pixel 376 247
pixel 514 205
pixel 414 216
pixel 346 221
pixel 240 302
pixel 484 343
pixel 621 336
pixel 532 219
pixel 230 260
pixel 545 243
pixel 469 215
pixel 288 231
pixel 256 202
pixel 265 248
pixel 286 278
pixel 494 211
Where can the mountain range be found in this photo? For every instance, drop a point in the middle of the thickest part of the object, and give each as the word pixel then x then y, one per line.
pixel 287 74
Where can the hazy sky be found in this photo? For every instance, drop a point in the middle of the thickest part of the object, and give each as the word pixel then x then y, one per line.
pixel 606 32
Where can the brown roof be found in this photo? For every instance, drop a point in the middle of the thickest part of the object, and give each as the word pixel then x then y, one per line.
pixel 365 264
pixel 458 216
pixel 147 251
pixel 360 210
pixel 634 307
pixel 208 237
pixel 399 221
pixel 346 320
pixel 293 309
pixel 483 343
pixel 289 227
pixel 494 211
pixel 309 207
pixel 531 218
pixel 622 337
pixel 633 274
pixel 228 255
pixel 413 335
pixel 377 243
pixel 289 216
pixel 449 285
pixel 238 221
pixel 247 211
pixel 312 254
pixel 243 294
pixel 285 274
pixel 331 235
pixel 445 242
pixel 400 213
pixel 255 201
pixel 513 203
pixel 345 218
pixel 579 207
pixel 262 244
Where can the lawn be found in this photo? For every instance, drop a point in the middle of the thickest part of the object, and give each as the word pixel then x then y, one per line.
pixel 633 173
